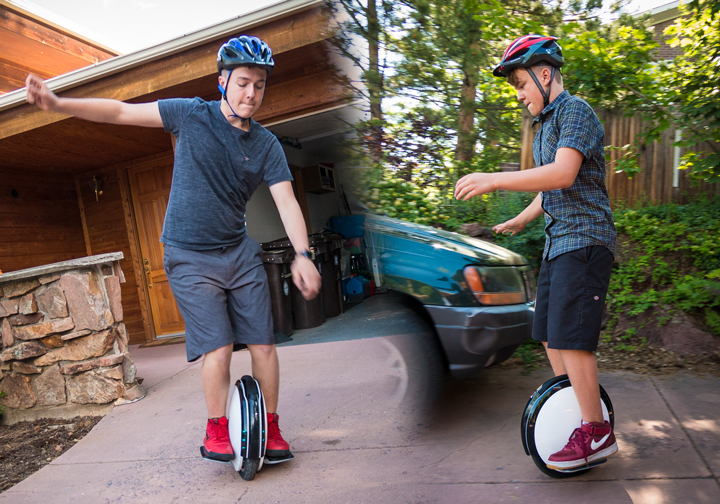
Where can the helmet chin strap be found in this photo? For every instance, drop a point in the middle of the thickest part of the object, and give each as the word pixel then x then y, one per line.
pixel 545 94
pixel 224 95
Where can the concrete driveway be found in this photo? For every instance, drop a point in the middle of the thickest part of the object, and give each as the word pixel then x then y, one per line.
pixel 356 441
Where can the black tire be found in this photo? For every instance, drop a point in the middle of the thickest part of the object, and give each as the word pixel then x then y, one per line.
pixel 249 469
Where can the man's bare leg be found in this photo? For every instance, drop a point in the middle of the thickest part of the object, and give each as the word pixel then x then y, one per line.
pixel 266 370
pixel 216 380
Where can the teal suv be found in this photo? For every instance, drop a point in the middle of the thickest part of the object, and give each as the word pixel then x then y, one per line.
pixel 480 296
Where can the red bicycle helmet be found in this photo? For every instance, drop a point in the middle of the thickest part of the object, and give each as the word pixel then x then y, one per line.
pixel 528 51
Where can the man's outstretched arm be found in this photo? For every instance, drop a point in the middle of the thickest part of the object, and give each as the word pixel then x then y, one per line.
pixel 93 109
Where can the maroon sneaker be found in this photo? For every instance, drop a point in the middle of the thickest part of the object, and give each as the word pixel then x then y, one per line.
pixel 217 440
pixel 276 445
pixel 587 444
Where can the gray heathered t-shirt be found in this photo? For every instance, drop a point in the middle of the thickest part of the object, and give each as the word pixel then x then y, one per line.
pixel 217 168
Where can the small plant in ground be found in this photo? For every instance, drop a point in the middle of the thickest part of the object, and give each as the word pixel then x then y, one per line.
pixel 630 333
pixel 2 394
pixel 530 353
pixel 627 348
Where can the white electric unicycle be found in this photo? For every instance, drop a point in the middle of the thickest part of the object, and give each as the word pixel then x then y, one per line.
pixel 550 417
pixel 247 425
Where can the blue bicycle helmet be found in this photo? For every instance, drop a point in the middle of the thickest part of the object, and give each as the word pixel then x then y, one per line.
pixel 243 51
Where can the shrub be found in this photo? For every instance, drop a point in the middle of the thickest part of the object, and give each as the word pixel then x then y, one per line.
pixel 670 255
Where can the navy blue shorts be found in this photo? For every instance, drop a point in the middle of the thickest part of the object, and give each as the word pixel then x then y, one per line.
pixel 570 298
pixel 223 296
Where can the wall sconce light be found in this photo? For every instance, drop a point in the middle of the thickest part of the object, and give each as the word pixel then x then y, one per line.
pixel 96 185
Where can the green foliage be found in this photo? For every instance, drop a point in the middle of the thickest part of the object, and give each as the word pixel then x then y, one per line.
pixel 392 196
pixel 528 243
pixel 626 162
pixel 670 257
pixel 530 353
pixel 2 394
pixel 602 65
pixel 696 75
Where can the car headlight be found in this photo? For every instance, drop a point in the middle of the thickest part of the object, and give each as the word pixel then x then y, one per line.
pixel 530 283
pixel 501 285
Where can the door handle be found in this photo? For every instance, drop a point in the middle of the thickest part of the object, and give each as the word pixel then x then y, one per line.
pixel 147 272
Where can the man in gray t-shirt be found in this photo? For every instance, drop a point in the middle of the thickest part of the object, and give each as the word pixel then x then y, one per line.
pixel 214 269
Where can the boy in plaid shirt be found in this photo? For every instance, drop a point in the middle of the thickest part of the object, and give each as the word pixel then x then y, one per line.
pixel 580 234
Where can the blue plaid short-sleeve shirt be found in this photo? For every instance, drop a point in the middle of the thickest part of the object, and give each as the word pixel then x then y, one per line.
pixel 580 215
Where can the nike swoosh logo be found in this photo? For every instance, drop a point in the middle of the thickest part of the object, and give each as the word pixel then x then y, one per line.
pixel 595 446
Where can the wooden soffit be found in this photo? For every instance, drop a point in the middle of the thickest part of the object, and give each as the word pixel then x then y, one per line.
pixel 29 44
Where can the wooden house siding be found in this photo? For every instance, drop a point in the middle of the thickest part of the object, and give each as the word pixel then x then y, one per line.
pixel 104 223
pixel 40 225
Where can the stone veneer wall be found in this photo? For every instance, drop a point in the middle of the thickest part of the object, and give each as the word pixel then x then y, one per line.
pixel 64 344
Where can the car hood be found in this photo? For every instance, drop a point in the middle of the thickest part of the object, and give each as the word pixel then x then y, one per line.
pixel 477 251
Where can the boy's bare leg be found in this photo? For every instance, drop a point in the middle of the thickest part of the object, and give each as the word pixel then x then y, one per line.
pixel 555 360
pixel 216 380
pixel 582 370
pixel 266 370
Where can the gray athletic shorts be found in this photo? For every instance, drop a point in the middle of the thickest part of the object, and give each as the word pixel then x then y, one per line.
pixel 223 296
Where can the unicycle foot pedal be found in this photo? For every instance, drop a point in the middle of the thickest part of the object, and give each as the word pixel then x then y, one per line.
pixel 277 460
pixel 585 467
pixel 206 456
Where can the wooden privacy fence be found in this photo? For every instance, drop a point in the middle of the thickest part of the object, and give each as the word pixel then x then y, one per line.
pixel 659 180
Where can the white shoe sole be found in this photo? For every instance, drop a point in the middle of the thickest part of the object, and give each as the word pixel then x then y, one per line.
pixel 573 464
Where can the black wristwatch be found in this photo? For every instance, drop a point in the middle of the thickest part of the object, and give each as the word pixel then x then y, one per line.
pixel 307 254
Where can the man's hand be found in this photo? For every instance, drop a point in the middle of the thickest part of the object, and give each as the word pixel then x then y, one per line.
pixel 513 226
pixel 306 277
pixel 475 184
pixel 39 94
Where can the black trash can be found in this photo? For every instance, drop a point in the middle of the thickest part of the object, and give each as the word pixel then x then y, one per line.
pixel 277 267
pixel 306 314
pixel 331 271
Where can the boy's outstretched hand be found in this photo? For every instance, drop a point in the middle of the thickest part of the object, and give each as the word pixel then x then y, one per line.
pixel 513 226
pixel 38 93
pixel 475 184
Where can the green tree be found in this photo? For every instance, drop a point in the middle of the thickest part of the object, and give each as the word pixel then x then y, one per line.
pixel 615 67
pixel 366 23
pixel 696 76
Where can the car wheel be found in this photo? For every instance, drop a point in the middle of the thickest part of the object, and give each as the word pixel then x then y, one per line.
pixel 424 362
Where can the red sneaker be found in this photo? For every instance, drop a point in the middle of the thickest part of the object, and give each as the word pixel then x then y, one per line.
pixel 276 445
pixel 217 440
pixel 590 442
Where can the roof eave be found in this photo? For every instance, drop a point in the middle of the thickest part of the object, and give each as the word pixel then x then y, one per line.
pixel 121 63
